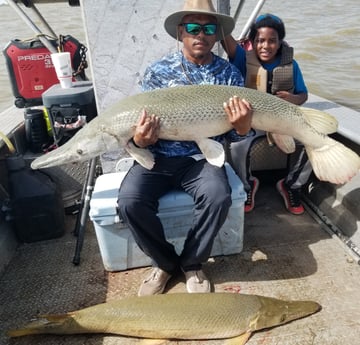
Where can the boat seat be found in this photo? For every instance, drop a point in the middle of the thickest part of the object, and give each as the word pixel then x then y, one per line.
pixel 117 246
pixel 267 157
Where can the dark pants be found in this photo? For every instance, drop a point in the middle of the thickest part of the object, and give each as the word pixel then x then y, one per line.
pixel 299 169
pixel 138 205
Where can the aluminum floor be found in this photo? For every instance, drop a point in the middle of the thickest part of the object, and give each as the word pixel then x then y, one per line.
pixel 284 256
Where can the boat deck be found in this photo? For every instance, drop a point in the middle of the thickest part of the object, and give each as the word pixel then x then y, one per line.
pixel 284 256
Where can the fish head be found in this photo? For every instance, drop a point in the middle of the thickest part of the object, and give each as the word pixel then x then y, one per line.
pixel 276 312
pixel 84 145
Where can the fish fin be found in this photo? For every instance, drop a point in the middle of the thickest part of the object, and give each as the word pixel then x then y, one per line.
pixel 333 162
pixel 212 150
pixel 321 121
pixel 284 142
pixel 143 156
pixel 239 340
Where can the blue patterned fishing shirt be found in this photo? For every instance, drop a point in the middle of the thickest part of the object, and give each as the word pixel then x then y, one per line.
pixel 174 70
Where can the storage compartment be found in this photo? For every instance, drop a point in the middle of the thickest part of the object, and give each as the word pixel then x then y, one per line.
pixel 65 107
pixel 117 246
pixel 36 207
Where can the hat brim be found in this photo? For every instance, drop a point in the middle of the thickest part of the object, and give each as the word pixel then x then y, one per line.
pixel 173 20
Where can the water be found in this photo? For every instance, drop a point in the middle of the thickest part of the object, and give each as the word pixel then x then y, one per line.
pixel 325 35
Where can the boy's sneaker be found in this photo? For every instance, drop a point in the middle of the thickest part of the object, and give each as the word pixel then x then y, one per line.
pixel 250 200
pixel 155 283
pixel 291 197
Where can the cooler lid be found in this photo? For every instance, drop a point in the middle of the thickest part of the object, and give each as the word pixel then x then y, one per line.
pixel 103 202
pixel 81 93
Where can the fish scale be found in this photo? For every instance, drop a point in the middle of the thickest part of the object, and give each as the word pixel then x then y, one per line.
pixel 196 104
pixel 196 113
pixel 176 316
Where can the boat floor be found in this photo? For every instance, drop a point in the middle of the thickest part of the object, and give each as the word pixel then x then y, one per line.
pixel 284 256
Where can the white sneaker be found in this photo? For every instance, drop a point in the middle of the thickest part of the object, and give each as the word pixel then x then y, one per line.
pixel 155 283
pixel 196 282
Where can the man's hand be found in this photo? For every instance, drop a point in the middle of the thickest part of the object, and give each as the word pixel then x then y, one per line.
pixel 147 130
pixel 240 114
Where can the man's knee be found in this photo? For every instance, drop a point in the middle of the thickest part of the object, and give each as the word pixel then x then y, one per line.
pixel 128 206
pixel 219 196
pixel 224 200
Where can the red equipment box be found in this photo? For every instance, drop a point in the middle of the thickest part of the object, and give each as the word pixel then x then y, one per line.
pixel 31 70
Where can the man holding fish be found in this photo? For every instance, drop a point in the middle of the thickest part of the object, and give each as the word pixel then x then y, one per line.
pixel 180 164
pixel 170 152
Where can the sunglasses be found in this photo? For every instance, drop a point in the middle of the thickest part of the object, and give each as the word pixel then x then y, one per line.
pixel 268 15
pixel 195 29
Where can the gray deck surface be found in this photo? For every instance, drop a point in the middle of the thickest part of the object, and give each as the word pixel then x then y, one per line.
pixel 284 256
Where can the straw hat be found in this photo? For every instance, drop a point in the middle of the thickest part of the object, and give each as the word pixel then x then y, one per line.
pixel 199 7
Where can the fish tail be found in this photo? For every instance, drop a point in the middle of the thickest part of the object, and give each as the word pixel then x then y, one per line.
pixel 320 120
pixel 333 162
pixel 42 325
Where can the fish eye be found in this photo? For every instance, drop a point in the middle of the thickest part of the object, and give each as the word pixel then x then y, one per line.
pixel 79 151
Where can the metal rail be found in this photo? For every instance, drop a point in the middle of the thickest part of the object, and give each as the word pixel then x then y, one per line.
pixel 43 21
pixel 319 216
pixel 223 6
pixel 251 19
pixel 238 10
pixel 32 26
pixel 80 225
pixel 28 3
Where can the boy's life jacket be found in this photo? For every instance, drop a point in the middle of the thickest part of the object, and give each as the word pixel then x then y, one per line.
pixel 281 78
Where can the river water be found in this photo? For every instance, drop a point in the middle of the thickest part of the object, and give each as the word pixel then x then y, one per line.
pixel 325 35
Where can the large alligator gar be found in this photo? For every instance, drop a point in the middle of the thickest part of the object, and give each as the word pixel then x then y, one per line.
pixel 176 316
pixel 196 113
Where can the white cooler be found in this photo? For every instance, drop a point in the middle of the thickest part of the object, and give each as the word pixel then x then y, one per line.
pixel 117 246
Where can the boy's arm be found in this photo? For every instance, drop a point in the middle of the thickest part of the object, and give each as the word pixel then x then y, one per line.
pixel 300 94
pixel 297 99
pixel 229 44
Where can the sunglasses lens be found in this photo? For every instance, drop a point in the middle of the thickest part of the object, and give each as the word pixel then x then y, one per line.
pixel 194 28
pixel 209 29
